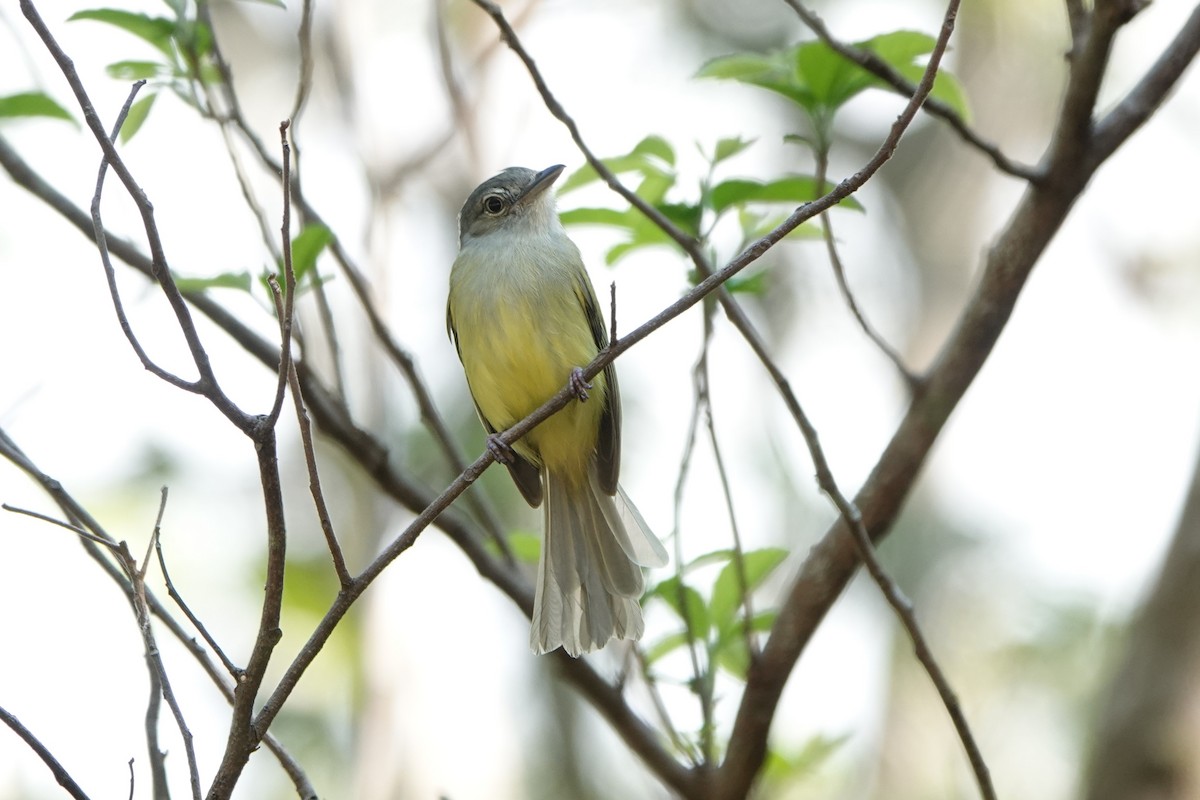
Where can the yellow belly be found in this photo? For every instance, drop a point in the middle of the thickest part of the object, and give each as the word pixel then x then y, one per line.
pixel 518 351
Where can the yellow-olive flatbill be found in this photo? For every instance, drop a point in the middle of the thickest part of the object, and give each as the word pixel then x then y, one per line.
pixel 523 315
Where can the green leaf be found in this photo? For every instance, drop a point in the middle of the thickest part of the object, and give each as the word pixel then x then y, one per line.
pixel 136 70
pixel 831 79
pixel 752 284
pixel 157 31
pixel 945 88
pixel 33 104
pixel 226 280
pixel 820 80
pixel 306 247
pixel 686 216
pixel 899 48
pixel 687 604
pixel 727 593
pixel 773 72
pixel 730 653
pixel 803 762
pixel 666 645
pixel 656 146
pixel 137 115
pixel 728 148
pixel 793 189
pixel 652 157
pixel 597 216
pixel 704 560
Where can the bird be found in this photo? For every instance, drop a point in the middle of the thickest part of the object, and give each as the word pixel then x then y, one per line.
pixel 523 316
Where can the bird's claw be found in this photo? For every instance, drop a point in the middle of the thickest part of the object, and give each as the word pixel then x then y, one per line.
pixel 578 385
pixel 502 452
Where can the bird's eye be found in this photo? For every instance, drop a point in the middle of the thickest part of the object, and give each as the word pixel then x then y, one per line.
pixel 493 204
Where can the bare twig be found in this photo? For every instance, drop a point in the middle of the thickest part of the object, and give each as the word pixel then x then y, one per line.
pixel 154 657
pixel 839 272
pixel 233 669
pixel 74 511
pixel 60 773
pixel 1111 131
pixel 285 309
pixel 75 529
pixel 158 756
pixel 207 382
pixel 310 460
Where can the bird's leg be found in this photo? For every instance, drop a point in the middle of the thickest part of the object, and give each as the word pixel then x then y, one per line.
pixel 578 385
pixel 502 452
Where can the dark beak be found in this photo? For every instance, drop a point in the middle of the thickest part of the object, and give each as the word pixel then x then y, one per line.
pixel 541 182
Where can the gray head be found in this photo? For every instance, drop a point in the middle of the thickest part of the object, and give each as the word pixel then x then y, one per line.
pixel 515 200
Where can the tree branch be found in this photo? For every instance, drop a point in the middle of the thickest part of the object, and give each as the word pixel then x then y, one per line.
pixel 884 71
pixel 60 773
pixel 831 563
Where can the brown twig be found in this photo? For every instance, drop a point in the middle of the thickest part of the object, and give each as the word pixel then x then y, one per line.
pixel 74 511
pixel 884 71
pixel 911 380
pixel 234 670
pixel 154 657
pixel 207 383
pixel 35 744
pixel 1068 167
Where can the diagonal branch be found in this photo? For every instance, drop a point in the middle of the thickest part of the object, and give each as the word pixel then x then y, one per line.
pixel 82 520
pixel 160 271
pixel 35 744
pixel 1068 167
pixel 1145 98
pixel 935 107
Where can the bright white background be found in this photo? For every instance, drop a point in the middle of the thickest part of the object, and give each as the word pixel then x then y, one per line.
pixel 1068 457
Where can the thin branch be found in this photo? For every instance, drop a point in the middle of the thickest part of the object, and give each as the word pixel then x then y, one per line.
pixel 831 563
pixel 935 107
pixel 285 310
pixel 137 597
pixel 110 273
pixel 233 669
pixel 1150 92
pixel 461 111
pixel 161 271
pixel 739 553
pixel 402 359
pixel 244 732
pixel 158 756
pixel 701 672
pixel 75 529
pixel 304 82
pixel 60 773
pixel 911 380
pixel 154 656
pixel 10 451
pixel 310 460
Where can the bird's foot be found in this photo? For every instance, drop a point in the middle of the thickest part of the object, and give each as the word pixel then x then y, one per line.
pixel 578 385
pixel 502 452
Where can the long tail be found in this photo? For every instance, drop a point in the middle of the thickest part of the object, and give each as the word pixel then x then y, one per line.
pixel 589 576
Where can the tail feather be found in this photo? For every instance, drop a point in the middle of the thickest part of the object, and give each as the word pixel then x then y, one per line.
pixel 589 576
